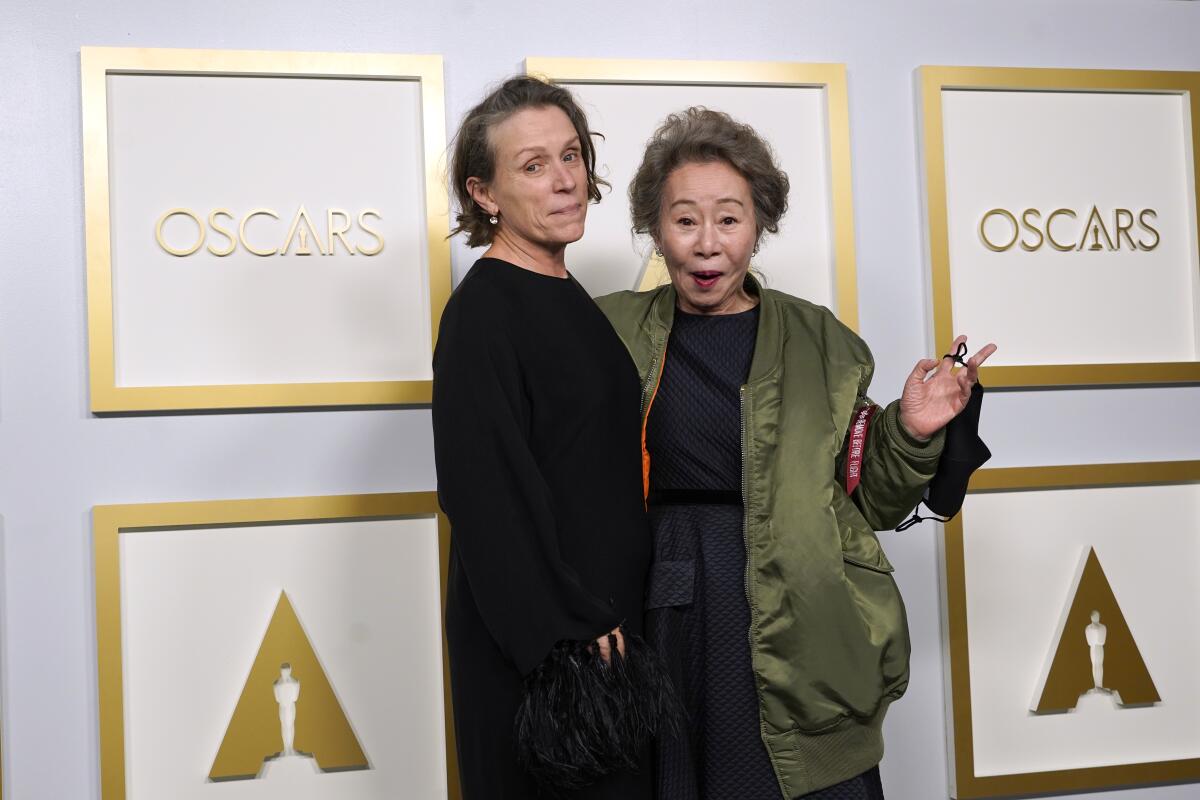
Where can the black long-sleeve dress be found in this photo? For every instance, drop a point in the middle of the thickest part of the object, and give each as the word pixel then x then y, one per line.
pixel 537 443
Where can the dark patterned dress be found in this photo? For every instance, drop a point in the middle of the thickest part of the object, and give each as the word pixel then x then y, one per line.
pixel 697 613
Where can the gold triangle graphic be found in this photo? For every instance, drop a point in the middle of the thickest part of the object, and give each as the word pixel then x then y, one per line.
pixel 321 727
pixel 654 273
pixel 1070 673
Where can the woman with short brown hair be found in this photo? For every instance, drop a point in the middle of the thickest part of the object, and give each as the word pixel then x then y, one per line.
pixel 536 438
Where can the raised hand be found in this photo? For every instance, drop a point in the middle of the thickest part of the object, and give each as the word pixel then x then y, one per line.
pixel 935 393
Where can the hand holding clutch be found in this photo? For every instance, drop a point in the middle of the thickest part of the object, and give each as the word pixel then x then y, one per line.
pixel 606 643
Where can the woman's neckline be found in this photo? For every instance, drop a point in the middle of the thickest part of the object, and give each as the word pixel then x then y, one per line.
pixel 679 312
pixel 561 278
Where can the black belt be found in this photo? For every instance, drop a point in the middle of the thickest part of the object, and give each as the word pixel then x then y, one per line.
pixel 717 497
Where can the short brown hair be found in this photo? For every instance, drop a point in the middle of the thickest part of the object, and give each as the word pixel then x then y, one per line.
pixel 474 157
pixel 698 134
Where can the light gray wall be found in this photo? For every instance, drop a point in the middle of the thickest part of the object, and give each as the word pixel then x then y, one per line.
pixel 57 461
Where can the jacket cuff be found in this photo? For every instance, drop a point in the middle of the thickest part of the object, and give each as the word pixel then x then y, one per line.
pixel 903 441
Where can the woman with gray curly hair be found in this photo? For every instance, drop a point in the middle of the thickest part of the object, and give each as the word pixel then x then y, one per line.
pixel 769 595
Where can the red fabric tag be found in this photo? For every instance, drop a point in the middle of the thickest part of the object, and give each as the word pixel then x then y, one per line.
pixel 858 445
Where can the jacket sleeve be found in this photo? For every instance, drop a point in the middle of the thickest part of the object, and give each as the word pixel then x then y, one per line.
pixel 499 505
pixel 896 468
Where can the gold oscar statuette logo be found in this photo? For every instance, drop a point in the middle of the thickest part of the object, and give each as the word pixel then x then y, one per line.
pixel 1000 230
pixel 255 233
pixel 288 716
pixel 1095 662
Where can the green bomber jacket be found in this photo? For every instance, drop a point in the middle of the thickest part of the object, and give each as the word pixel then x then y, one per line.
pixel 828 633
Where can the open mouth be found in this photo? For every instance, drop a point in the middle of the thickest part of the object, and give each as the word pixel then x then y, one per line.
pixel 706 279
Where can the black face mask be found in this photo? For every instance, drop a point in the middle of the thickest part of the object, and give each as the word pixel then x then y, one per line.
pixel 962 454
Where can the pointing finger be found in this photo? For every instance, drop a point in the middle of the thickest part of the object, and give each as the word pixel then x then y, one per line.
pixel 955 346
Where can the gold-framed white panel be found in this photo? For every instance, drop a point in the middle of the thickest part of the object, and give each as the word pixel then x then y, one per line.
pixel 184 594
pixel 801 109
pixel 1062 221
pixel 275 239
pixel 1011 561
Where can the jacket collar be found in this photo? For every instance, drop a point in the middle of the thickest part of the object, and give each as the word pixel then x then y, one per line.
pixel 768 341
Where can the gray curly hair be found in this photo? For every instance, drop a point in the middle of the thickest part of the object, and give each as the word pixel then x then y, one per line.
pixel 699 134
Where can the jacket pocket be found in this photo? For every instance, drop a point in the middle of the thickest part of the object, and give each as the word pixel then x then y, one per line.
pixel 671 583
pixel 860 546
pixel 882 630
pixel 862 549
pixel 878 563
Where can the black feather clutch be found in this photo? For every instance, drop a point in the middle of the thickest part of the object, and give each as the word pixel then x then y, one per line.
pixel 582 718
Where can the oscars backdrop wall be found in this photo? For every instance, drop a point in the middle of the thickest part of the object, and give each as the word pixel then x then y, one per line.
pixel 284 648
pixel 264 229
pixel 800 109
pixel 1071 600
pixel 1062 221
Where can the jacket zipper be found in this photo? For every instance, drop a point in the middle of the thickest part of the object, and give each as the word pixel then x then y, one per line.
pixel 651 375
pixel 649 391
pixel 762 725
pixel 745 501
pixel 742 392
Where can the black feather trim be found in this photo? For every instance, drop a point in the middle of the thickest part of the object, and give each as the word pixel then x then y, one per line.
pixel 582 719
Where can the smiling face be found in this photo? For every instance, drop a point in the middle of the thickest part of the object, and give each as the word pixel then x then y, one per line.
pixel 539 189
pixel 707 232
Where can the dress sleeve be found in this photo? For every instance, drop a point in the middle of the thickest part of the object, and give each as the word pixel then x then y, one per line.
pixel 499 505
